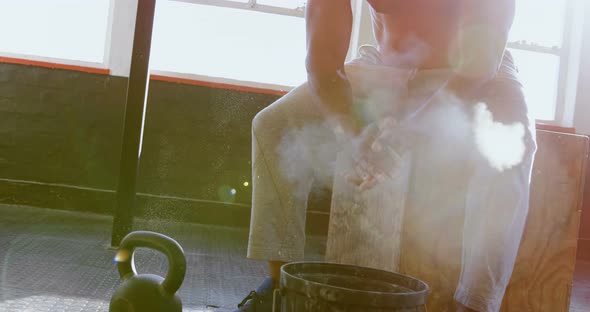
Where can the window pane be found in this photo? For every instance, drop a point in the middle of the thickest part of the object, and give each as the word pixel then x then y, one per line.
pixel 254 46
pixel 291 4
pixel 66 29
pixel 539 73
pixel 539 21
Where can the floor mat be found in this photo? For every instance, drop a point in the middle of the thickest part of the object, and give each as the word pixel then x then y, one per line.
pixel 54 260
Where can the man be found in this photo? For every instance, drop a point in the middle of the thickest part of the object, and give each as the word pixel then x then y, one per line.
pixel 465 37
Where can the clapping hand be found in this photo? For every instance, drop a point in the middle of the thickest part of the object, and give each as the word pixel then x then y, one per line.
pixel 375 158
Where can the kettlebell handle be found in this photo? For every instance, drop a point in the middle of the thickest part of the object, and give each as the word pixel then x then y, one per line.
pixel 162 243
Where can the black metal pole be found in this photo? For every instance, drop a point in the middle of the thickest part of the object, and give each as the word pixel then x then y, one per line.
pixel 134 117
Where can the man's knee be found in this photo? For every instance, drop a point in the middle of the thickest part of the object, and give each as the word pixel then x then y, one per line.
pixel 285 112
pixel 270 118
pixel 260 121
pixel 530 143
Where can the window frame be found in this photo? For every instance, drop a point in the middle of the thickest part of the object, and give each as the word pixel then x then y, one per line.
pixel 31 59
pixel 569 59
pixel 117 47
pixel 569 53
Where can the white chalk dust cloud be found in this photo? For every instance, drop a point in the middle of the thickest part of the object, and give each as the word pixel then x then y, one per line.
pixel 309 153
pixel 501 144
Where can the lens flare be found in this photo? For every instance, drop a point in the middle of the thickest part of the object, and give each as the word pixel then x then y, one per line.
pixel 226 193
pixel 122 256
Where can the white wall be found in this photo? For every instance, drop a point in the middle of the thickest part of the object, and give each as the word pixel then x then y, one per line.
pixel 118 53
pixel 582 112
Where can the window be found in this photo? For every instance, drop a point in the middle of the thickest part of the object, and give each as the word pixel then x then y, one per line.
pixel 541 42
pixel 57 29
pixel 231 39
pixel 249 42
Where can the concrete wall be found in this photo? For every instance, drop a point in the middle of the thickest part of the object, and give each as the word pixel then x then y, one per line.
pixel 61 141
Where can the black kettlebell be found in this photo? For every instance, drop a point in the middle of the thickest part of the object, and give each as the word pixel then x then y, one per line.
pixel 148 292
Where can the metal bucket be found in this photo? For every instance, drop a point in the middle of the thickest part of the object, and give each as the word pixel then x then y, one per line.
pixel 315 286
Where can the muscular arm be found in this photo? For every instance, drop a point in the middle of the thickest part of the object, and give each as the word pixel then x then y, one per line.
pixel 329 25
pixel 485 28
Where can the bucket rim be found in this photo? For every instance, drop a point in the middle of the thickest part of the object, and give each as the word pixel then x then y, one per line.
pixel 330 293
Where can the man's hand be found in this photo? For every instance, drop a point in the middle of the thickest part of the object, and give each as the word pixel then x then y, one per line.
pixel 376 160
pixel 333 96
